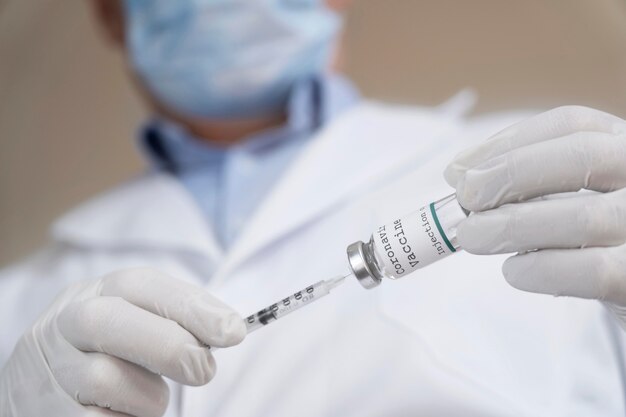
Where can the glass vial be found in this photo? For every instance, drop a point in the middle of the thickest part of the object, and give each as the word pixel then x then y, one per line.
pixel 408 243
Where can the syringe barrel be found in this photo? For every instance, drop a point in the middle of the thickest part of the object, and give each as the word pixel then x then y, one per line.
pixel 287 305
pixel 408 243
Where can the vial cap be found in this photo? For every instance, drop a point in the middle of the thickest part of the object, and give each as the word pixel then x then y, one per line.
pixel 360 267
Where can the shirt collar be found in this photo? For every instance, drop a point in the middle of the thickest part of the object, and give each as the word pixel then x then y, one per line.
pixel 311 104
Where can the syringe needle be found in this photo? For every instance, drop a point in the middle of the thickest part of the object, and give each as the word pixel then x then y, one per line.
pixel 337 281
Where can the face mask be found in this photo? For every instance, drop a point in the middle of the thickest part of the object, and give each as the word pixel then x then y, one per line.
pixel 228 58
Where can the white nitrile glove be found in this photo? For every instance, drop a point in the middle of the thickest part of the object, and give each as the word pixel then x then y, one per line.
pixel 570 244
pixel 101 347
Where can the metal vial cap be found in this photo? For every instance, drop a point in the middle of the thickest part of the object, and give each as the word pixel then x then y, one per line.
pixel 361 268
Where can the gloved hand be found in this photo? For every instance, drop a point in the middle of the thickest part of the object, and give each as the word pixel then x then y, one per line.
pixel 101 347
pixel 570 244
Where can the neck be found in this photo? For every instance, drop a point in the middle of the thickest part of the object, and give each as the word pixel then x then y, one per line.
pixel 221 132
pixel 230 132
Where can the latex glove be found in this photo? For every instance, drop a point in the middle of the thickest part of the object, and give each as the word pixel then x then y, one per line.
pixel 101 347
pixel 576 241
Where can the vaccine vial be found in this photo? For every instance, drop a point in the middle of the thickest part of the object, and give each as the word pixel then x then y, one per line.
pixel 408 243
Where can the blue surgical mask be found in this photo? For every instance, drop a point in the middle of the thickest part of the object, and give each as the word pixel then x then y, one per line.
pixel 228 58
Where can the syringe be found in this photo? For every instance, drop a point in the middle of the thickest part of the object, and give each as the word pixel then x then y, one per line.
pixel 292 303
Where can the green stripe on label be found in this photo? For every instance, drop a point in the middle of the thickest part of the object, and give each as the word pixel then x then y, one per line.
pixel 443 235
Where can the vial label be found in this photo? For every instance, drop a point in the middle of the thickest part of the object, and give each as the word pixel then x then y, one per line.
pixel 411 242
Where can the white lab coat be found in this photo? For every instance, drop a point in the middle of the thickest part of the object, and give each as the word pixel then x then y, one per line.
pixel 452 340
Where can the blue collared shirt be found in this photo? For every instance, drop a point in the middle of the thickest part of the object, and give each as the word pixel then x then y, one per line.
pixel 229 183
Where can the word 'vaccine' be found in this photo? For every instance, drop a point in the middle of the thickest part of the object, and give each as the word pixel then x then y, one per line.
pixel 408 243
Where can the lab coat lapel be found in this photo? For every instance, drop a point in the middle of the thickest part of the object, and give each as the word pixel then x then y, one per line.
pixel 153 211
pixel 359 152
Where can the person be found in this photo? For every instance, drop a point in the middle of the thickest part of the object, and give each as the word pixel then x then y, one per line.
pixel 265 165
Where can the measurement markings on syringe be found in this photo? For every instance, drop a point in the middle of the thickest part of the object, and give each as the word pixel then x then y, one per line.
pixel 283 307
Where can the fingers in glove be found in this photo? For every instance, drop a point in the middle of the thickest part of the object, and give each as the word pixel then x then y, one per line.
pixel 570 163
pixel 574 222
pixel 92 411
pixel 113 326
pixel 206 317
pixel 595 273
pixel 97 379
pixel 562 121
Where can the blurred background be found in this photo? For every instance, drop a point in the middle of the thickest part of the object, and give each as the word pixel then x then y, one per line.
pixel 68 114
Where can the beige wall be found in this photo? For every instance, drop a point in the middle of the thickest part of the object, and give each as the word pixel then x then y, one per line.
pixel 67 115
